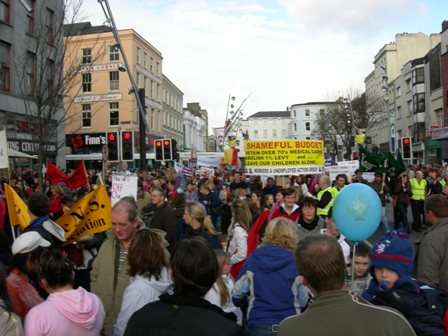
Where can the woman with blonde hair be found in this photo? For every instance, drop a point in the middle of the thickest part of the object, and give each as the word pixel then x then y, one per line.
pixel 269 280
pixel 199 224
pixel 238 231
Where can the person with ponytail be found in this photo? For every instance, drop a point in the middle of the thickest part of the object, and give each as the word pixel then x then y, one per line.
pixel 219 294
pixel 238 232
pixel 200 224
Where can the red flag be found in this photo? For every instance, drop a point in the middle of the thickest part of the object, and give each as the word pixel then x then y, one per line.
pixel 79 178
pixel 76 180
pixel 54 175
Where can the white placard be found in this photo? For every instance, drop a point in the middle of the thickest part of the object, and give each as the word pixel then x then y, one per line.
pixel 369 177
pixel 4 162
pixel 336 170
pixel 123 185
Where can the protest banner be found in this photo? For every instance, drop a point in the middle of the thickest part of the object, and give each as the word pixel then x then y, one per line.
pixel 284 157
pixel 90 215
pixel 17 208
pixel 123 185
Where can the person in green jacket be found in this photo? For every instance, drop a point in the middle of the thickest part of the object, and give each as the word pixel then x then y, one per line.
pixel 334 310
pixel 110 268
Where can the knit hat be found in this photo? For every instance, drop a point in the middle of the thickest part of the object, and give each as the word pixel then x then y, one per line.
pixel 394 251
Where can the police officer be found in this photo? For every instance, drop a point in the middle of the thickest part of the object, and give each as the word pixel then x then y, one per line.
pixel 418 196
pixel 325 197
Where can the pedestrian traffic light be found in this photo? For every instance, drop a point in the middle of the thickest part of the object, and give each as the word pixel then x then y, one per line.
pixel 127 146
pixel 159 149
pixel 174 153
pixel 112 146
pixel 167 155
pixel 406 148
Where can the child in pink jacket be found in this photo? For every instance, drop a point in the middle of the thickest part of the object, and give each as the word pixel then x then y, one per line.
pixel 67 311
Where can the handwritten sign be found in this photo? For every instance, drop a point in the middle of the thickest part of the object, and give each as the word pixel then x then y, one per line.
pixel 123 185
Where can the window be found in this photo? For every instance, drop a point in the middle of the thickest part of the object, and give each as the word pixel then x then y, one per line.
pixel 144 60
pixel 114 54
pixel 439 117
pixel 86 115
pixel 86 82
pixel 398 112
pixel 5 10
pixel 157 68
pixel 86 56
pixel 138 55
pixel 5 60
pixel 308 138
pixel 308 126
pixel 274 133
pixel 294 113
pixel 255 134
pixel 114 114
pixel 50 26
pixel 30 77
pixel 114 80
pixel 409 107
pixel 418 76
pixel 399 135
pixel 150 64
pixel 151 89
pixel 31 17
pixel 408 84
pixel 265 133
pixel 307 113
pixel 398 89
pixel 157 91
pixel 419 102
pixel 295 127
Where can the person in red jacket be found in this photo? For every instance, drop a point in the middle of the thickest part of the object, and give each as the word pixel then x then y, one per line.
pixel 288 209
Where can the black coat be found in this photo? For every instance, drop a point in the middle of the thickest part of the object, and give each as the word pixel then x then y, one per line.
pixel 175 315
pixel 212 240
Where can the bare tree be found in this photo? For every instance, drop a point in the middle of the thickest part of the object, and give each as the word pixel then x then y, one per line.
pixel 46 73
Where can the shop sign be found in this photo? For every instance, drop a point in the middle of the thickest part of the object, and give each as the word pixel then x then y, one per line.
pixel 97 98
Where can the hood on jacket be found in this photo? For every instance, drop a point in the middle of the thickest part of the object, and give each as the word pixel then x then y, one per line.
pixel 161 285
pixel 79 306
pixel 271 258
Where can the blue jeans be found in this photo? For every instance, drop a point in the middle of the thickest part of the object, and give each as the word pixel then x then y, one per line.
pixel 262 331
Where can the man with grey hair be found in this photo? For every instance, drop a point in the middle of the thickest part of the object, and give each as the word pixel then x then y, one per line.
pixel 109 274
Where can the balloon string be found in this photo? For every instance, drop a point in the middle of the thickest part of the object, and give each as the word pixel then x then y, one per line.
pixel 353 265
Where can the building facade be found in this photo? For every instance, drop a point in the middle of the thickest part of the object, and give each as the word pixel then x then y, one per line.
pixel 31 45
pixel 267 125
pixel 195 128
pixel 388 64
pixel 100 100
pixel 172 111
pixel 303 123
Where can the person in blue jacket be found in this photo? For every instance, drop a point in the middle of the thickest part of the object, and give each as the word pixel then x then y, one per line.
pixel 269 282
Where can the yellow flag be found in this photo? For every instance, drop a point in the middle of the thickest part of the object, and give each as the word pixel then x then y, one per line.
pixel 17 208
pixel 360 138
pixel 91 214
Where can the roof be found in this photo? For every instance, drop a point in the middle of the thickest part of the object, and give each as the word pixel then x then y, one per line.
pixel 271 114
pixel 316 103
pixel 84 28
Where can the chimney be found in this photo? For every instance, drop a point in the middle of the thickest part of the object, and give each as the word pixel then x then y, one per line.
pixel 444 25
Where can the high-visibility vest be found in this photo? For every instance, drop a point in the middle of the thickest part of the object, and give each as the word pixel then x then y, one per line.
pixel 326 210
pixel 418 189
pixel 443 183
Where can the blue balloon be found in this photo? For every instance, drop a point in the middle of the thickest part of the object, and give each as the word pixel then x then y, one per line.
pixel 357 211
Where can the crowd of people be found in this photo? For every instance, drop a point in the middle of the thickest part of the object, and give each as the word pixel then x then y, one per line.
pixel 228 254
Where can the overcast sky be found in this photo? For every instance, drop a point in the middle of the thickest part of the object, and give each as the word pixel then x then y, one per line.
pixel 281 52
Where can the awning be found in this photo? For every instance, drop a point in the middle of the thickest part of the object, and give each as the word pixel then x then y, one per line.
pixel 17 154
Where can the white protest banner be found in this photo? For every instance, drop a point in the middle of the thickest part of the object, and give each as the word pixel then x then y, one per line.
pixel 336 170
pixel 4 162
pixel 369 177
pixel 123 185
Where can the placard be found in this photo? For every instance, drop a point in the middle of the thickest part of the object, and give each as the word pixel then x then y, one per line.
pixel 123 185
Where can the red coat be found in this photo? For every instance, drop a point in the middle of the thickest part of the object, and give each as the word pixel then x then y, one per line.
pixel 281 212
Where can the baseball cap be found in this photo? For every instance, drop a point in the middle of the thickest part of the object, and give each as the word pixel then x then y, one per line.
pixel 27 242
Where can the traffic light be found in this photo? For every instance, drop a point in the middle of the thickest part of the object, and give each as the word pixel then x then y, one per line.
pixel 167 155
pixel 174 153
pixel 127 146
pixel 158 145
pixel 112 146
pixel 406 148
